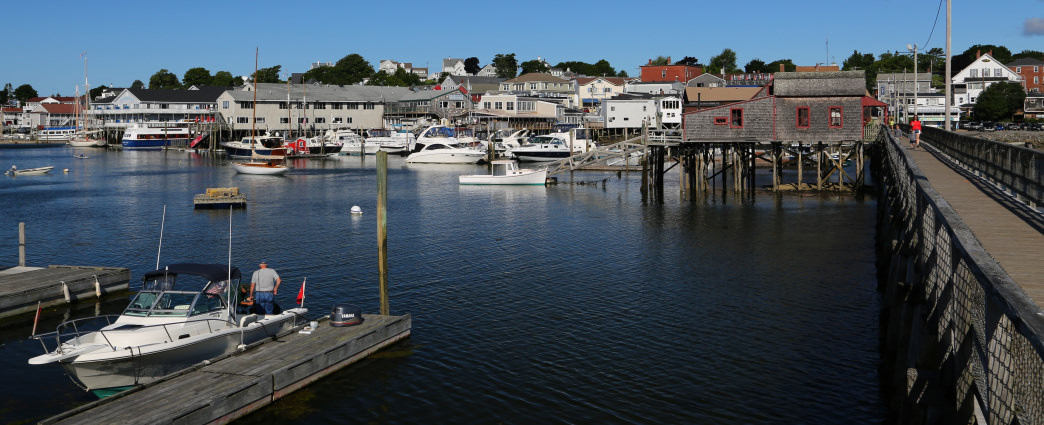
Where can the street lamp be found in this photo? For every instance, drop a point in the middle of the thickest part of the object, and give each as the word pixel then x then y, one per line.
pixel 913 48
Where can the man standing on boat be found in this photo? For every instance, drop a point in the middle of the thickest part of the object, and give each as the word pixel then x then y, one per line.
pixel 264 285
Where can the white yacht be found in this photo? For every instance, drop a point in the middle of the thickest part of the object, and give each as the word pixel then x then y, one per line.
pixel 184 313
pixel 437 144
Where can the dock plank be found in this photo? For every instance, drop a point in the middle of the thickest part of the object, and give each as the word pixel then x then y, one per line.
pixel 20 292
pixel 235 385
pixel 1007 234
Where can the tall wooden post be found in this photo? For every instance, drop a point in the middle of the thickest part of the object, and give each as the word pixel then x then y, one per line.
pixel 21 244
pixel 382 229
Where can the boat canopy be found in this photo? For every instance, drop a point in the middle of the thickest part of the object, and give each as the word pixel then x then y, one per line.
pixel 212 272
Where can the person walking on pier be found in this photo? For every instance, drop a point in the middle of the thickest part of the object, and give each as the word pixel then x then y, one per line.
pixel 264 286
pixel 915 132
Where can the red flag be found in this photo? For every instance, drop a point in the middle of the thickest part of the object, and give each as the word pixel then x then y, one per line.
pixel 300 294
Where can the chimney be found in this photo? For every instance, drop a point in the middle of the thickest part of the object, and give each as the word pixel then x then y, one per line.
pixel 781 68
pixel 978 53
pixel 650 62
pixel 669 62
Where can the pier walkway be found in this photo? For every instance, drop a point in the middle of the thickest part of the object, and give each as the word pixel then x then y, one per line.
pixel 23 288
pixel 1007 229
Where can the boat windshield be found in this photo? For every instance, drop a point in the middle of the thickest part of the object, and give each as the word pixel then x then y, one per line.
pixel 158 298
pixel 440 132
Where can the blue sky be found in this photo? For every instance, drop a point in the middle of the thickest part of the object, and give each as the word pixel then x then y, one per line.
pixel 129 40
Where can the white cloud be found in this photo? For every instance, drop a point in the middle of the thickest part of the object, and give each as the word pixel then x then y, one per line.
pixel 1034 26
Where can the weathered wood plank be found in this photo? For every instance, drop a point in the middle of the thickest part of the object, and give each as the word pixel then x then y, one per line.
pixel 20 292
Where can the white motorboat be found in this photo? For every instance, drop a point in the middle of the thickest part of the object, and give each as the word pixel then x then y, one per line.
pixel 505 172
pixel 506 140
pixel 542 148
pixel 393 142
pixel 258 166
pixel 14 171
pixel 184 314
pixel 437 144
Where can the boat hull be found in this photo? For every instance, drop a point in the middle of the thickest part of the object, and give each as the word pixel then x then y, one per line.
pixel 245 152
pixel 106 372
pixel 260 168
pixel 540 155
pixel 446 156
pixel 532 177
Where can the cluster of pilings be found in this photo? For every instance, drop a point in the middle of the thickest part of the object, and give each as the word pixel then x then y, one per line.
pixel 733 165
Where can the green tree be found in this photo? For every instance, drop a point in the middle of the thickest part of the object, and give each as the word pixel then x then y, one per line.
pixel 24 92
pixel 471 65
pixel 506 65
pixel 268 75
pixel 660 61
pixel 788 65
pixel 999 102
pixel 755 65
pixel 197 77
pixel 137 84
pixel 602 68
pixel 1033 54
pixel 224 79
pixel 164 79
pixel 622 74
pixel 534 66
pixel 6 94
pixel 858 61
pixel 97 91
pixel 353 69
pixel 401 78
pixel 688 61
pixel 725 62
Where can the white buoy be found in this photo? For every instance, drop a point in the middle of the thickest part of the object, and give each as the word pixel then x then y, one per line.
pixel 66 171
pixel 356 210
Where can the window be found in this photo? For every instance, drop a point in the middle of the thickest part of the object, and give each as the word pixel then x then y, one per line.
pixel 319 105
pixel 246 105
pixel 444 104
pixel 338 120
pixel 997 72
pixel 243 120
pixel 507 87
pixel 284 120
pixel 348 120
pixel 302 120
pixel 498 105
pixel 259 120
pixel 720 120
pixel 835 117
pixel 336 106
pixel 736 120
pixel 545 86
pixel 510 106
pixel 1036 80
pixel 1036 68
pixel 1018 69
pixel 973 73
pixel 352 106
pixel 803 120
pixel 284 105
pixel 607 90
pixel 663 74
pixel 526 106
pixel 486 105
pixel 369 106
pixel 532 86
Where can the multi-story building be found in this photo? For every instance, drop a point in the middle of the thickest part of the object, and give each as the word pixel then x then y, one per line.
pixel 539 84
pixel 983 72
pixel 510 110
pixel 1032 72
pixel 682 73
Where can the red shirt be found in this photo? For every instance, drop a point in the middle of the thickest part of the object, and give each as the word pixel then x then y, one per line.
pixel 915 125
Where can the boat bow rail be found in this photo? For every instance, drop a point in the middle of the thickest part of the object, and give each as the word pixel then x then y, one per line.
pixel 69 337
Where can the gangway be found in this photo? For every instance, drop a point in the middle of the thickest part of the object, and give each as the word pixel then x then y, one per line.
pixel 604 155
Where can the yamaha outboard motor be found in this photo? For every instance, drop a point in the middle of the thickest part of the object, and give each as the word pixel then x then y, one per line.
pixel 345 315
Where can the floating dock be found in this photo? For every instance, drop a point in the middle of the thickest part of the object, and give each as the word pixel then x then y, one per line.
pixel 220 198
pixel 22 288
pixel 229 387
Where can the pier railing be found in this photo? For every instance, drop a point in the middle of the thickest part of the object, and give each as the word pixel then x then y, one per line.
pixel 1013 168
pixel 962 341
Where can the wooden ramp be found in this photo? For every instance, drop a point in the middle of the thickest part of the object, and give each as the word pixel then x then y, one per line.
pixel 1010 233
pixel 232 386
pixel 22 287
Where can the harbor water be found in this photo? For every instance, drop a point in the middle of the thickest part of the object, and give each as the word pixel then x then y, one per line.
pixel 575 303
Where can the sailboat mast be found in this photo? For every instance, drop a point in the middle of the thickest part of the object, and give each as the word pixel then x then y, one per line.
pixel 253 107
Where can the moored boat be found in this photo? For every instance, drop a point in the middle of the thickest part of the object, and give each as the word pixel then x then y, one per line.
pixel 505 172
pixel 153 137
pixel 15 171
pixel 56 134
pixel 184 313
pixel 267 145
pixel 437 145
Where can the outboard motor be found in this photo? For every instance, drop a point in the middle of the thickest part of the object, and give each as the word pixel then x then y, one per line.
pixel 345 315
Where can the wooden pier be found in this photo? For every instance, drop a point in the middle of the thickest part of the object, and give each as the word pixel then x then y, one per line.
pixel 229 387
pixel 23 288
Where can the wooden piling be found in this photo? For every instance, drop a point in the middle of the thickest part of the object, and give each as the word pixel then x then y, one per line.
pixel 21 244
pixel 382 229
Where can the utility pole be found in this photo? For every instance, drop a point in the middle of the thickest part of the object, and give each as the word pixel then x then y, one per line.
pixel 946 103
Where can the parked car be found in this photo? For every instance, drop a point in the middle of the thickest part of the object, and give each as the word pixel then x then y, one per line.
pixel 974 125
pixel 988 126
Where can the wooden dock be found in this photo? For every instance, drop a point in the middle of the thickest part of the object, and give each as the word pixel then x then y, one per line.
pixel 232 386
pixel 21 288
pixel 220 198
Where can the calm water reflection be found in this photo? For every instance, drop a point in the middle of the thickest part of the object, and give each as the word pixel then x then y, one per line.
pixel 567 304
